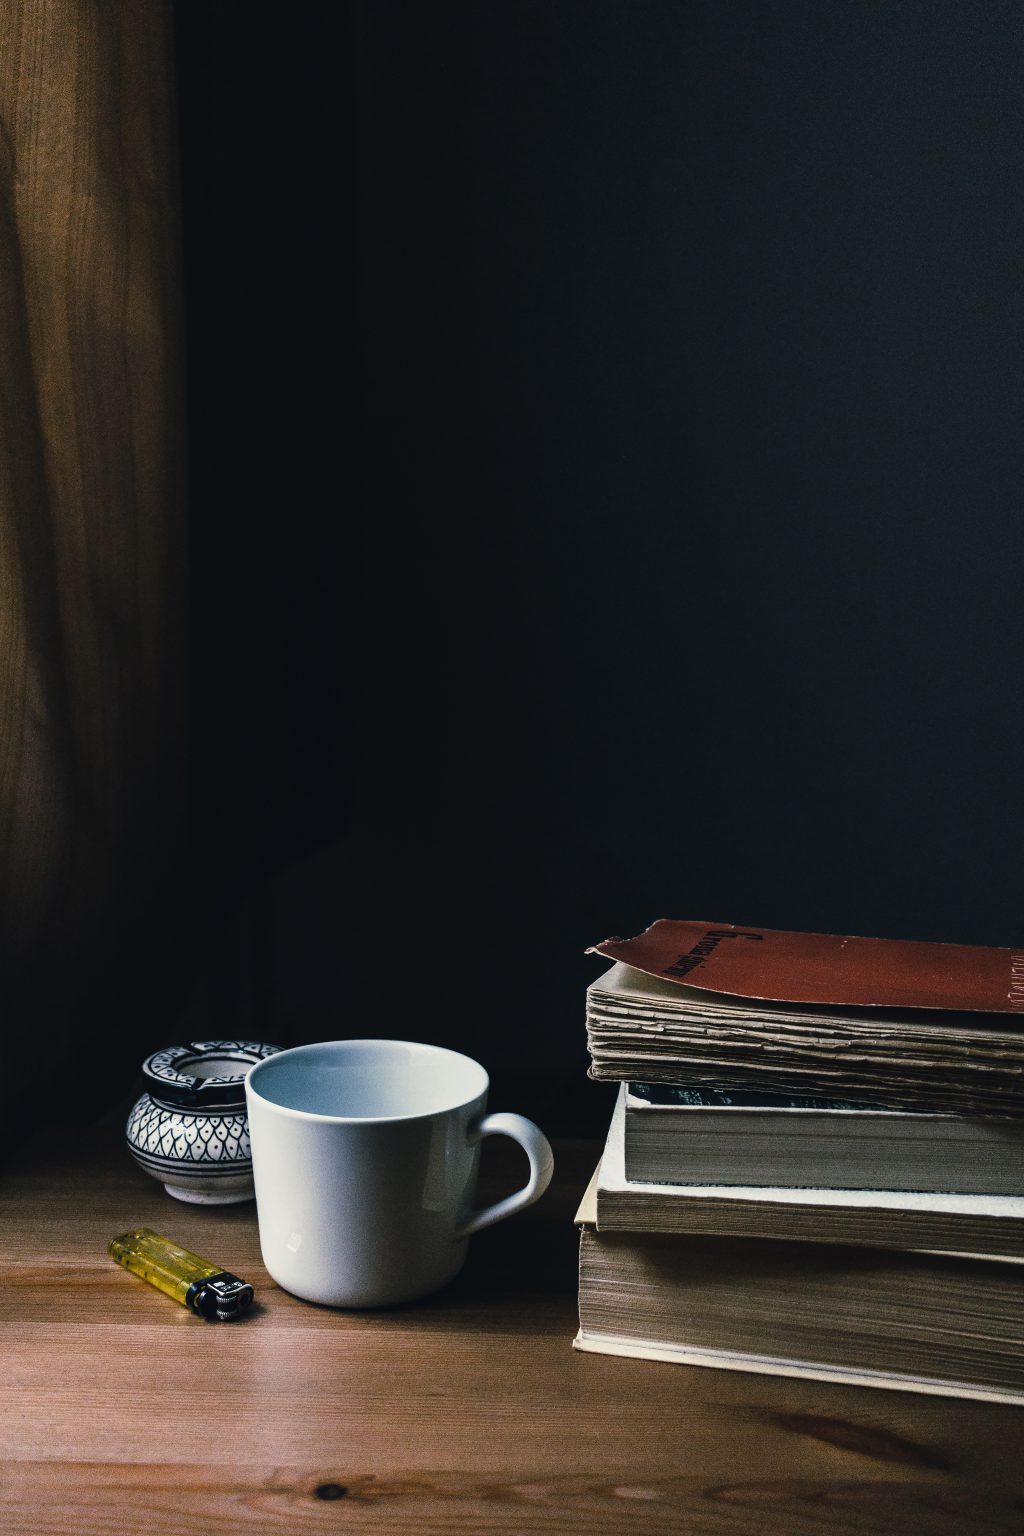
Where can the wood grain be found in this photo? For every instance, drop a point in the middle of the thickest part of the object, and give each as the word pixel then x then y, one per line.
pixel 92 506
pixel 468 1412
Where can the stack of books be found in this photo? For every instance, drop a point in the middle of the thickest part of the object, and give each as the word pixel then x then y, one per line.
pixel 815 1166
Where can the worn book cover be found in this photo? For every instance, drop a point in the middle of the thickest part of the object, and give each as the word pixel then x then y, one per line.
pixel 935 1028
pixel 827 969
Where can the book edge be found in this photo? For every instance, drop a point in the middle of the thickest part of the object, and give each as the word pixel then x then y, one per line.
pixel 613 1184
pixel 586 1215
pixel 590 1341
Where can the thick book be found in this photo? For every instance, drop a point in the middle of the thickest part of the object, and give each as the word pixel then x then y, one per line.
pixel 988 1226
pixel 699 1134
pixel 936 1028
pixel 907 1321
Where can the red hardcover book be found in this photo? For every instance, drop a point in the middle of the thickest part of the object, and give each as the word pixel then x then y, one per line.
pixel 826 968
pixel 937 1028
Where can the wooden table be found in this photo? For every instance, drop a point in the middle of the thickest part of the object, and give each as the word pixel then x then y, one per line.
pixel 469 1413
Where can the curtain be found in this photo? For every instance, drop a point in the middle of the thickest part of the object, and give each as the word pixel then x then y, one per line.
pixel 92 548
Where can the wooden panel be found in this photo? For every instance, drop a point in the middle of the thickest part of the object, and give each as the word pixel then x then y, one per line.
pixel 468 1412
pixel 92 527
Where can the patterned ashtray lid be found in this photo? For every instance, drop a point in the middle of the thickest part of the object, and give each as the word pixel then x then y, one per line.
pixel 204 1071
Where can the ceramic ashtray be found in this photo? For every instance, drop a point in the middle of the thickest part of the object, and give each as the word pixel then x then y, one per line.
pixel 190 1129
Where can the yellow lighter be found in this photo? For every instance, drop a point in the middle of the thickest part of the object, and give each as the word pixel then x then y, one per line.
pixel 203 1287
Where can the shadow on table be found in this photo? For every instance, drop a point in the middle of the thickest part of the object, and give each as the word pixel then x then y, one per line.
pixel 524 1271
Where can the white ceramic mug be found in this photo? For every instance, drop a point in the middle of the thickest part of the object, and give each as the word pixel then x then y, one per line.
pixel 364 1156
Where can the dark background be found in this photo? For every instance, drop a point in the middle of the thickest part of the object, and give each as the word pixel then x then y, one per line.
pixel 606 479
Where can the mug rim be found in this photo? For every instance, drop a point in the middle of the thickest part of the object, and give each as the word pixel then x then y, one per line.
pixel 328 1119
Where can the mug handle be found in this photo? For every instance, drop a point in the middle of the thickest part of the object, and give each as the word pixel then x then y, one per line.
pixel 542 1165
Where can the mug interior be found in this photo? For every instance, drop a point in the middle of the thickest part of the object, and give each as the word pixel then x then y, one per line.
pixel 368 1079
